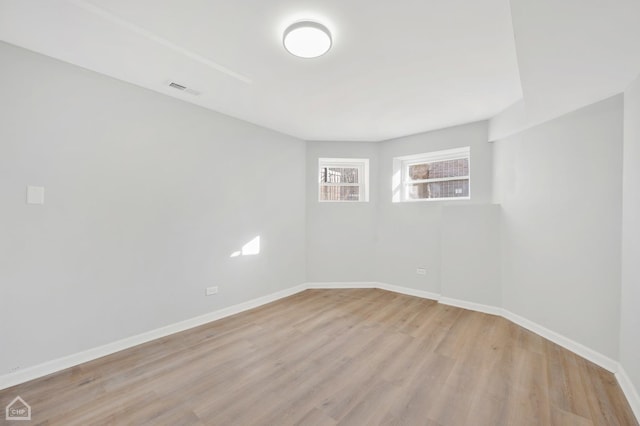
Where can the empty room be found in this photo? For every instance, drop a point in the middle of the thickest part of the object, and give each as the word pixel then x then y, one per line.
pixel 280 212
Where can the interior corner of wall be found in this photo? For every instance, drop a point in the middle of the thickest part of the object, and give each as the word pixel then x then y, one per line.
pixel 512 120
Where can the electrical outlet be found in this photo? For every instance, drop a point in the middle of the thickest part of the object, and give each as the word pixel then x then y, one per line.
pixel 211 290
pixel 421 271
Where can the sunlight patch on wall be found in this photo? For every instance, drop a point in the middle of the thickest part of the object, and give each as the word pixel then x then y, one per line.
pixel 249 249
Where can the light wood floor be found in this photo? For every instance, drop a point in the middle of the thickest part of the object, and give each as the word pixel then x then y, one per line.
pixel 326 357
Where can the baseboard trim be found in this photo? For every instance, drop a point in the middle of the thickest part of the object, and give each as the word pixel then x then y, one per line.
pixel 569 344
pixel 49 367
pixel 59 364
pixel 472 306
pixel 334 285
pixel 575 347
pixel 409 291
pixel 629 390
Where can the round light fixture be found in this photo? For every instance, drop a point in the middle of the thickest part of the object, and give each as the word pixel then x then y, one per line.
pixel 307 39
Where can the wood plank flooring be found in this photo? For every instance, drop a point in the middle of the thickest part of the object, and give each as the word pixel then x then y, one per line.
pixel 336 357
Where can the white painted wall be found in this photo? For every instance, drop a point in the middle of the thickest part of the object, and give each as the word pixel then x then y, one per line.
pixel 471 253
pixel 146 197
pixel 340 236
pixel 409 234
pixel 559 187
pixel 386 242
pixel 630 307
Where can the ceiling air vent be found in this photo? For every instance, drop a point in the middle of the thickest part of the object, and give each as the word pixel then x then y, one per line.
pixel 183 88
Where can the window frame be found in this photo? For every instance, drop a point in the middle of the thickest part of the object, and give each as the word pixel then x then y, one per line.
pixel 362 164
pixel 401 170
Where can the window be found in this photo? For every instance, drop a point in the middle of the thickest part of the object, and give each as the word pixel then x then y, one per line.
pixel 440 175
pixel 343 179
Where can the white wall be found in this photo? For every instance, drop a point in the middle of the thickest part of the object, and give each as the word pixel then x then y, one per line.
pixel 630 308
pixel 386 242
pixel 471 253
pixel 340 236
pixel 146 197
pixel 559 187
pixel 409 234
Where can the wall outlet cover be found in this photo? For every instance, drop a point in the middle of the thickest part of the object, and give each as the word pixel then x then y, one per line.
pixel 35 194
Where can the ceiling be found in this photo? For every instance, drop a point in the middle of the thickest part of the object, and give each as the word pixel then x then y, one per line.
pixel 395 68
pixel 575 52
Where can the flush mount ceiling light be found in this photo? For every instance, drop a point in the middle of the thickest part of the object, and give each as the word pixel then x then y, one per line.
pixel 307 39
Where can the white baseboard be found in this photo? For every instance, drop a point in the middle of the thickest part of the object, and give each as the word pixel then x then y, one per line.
pixel 372 284
pixel 629 390
pixel 330 285
pixel 409 291
pixel 575 347
pixel 59 364
pixel 472 306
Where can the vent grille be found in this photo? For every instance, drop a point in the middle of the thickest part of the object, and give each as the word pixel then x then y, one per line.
pixel 183 88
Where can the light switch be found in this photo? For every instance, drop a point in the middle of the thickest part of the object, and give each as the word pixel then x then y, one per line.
pixel 35 194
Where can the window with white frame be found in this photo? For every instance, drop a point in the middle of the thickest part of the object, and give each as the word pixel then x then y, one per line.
pixel 440 175
pixel 343 179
